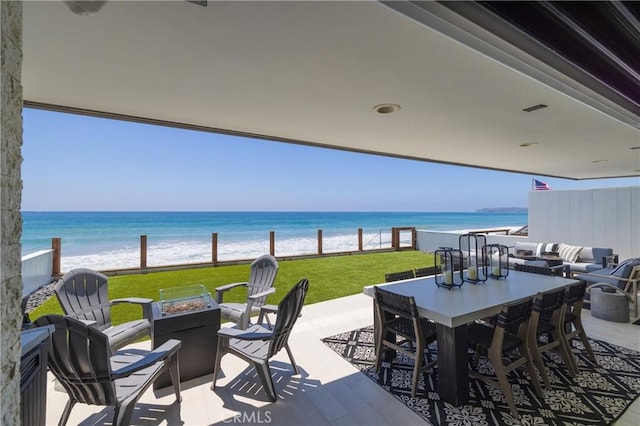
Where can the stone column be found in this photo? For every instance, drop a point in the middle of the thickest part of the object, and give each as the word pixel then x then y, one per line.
pixel 10 218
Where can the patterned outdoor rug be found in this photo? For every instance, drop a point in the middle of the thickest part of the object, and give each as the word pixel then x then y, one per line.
pixel 597 396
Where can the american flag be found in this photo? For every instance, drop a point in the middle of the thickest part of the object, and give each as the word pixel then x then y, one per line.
pixel 540 186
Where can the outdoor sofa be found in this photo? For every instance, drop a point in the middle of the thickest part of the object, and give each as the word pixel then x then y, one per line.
pixel 578 258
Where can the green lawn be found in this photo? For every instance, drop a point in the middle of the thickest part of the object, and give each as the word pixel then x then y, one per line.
pixel 329 278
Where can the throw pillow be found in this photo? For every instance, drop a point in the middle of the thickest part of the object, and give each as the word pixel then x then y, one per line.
pixel 569 253
pixel 624 268
pixel 544 248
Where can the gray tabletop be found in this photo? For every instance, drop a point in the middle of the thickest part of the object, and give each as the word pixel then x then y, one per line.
pixel 461 305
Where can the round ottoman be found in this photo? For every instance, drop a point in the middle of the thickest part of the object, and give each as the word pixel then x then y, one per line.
pixel 608 305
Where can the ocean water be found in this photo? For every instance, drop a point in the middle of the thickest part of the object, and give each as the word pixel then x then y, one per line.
pixel 108 240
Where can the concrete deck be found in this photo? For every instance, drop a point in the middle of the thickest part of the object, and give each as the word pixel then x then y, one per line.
pixel 330 391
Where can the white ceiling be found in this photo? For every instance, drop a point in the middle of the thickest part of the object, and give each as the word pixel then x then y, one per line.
pixel 311 72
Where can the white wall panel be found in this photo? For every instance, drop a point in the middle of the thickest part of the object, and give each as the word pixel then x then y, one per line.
pixel 603 217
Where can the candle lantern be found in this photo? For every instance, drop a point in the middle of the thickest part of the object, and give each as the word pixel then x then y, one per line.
pixel 472 248
pixel 448 263
pixel 498 260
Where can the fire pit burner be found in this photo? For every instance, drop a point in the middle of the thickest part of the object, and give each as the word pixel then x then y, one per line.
pixel 184 299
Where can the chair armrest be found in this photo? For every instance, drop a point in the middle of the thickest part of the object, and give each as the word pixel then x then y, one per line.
pixel 253 333
pixel 220 290
pixel 264 310
pixel 142 301
pixel 262 294
pixel 608 276
pixel 268 309
pixel 166 350
pixel 616 289
pixel 136 300
pixel 88 323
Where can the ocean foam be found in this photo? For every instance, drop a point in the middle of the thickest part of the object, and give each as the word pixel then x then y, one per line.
pixel 170 253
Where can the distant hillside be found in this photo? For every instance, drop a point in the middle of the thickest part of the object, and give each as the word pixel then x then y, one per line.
pixel 503 210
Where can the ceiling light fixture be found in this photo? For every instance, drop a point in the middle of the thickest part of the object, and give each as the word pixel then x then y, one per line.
pixel 528 144
pixel 534 108
pixel 599 161
pixel 386 108
pixel 635 147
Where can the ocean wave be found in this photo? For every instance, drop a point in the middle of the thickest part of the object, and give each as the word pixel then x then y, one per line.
pixel 171 253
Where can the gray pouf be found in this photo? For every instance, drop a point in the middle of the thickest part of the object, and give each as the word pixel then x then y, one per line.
pixel 609 306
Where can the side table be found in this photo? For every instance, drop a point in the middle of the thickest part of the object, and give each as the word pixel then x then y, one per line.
pixel 198 331
pixel 33 374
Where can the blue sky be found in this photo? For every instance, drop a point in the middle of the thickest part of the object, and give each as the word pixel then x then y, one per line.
pixel 74 162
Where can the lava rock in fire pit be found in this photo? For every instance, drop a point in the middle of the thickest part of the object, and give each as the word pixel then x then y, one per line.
pixel 183 307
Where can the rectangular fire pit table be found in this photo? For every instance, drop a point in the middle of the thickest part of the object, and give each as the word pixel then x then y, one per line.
pixel 198 331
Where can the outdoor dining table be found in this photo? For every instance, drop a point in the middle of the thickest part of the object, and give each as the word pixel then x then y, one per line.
pixel 452 309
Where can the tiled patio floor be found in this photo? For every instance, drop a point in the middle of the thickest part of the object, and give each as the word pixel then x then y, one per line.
pixel 328 392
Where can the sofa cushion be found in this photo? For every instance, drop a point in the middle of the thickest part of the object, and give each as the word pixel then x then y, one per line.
pixel 594 254
pixel 585 266
pixel 569 253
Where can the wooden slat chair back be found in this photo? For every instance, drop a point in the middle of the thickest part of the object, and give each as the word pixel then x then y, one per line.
pixel 397 316
pixel 547 318
pixel 83 294
pixel 507 340
pixel 572 323
pixel 257 344
pixel 81 359
pixel 397 276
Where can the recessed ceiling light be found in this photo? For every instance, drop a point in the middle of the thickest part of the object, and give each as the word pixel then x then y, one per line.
pixel 528 144
pixel 534 108
pixel 599 161
pixel 386 108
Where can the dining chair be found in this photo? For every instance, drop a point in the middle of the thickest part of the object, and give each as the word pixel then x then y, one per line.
pixel 83 294
pixel 400 328
pixel 262 275
pixel 257 344
pixel 547 320
pixel 506 341
pixel 397 276
pixel 572 325
pixel 424 272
